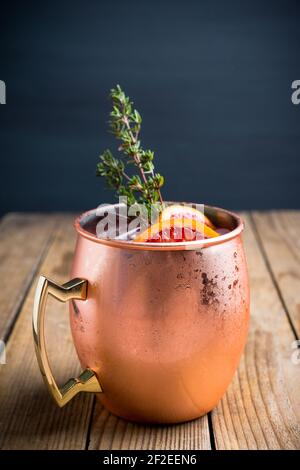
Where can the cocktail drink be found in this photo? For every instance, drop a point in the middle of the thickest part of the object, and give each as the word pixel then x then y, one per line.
pixel 163 326
pixel 159 310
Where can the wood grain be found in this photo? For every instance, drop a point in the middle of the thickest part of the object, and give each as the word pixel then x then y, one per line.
pixel 28 417
pixel 111 433
pixel 280 239
pixel 23 242
pixel 261 409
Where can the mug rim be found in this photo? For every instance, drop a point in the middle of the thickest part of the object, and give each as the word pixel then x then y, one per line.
pixel 164 246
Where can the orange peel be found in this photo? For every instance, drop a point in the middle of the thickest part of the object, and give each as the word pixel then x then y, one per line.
pixel 155 231
pixel 178 211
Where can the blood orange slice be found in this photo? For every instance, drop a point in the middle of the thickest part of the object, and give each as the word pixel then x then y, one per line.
pixel 176 230
pixel 180 211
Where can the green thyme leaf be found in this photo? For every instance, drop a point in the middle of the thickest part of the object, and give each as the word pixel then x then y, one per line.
pixel 125 124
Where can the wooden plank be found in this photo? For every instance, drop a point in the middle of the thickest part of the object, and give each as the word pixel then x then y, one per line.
pixel 280 238
pixel 111 433
pixel 28 417
pixel 261 409
pixel 23 242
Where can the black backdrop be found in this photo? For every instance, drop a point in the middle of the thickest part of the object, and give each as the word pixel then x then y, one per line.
pixel 211 79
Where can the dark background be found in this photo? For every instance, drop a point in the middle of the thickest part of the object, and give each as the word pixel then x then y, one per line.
pixel 212 81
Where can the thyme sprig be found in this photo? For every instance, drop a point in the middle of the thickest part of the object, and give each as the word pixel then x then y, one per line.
pixel 125 123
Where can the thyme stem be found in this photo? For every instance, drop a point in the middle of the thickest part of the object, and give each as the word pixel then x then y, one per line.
pixel 125 124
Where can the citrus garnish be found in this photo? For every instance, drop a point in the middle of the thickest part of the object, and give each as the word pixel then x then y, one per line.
pixel 176 230
pixel 180 211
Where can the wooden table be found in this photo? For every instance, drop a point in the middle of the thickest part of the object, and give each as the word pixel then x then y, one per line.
pixel 261 409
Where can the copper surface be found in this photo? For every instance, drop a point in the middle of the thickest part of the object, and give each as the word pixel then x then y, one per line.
pixel 163 326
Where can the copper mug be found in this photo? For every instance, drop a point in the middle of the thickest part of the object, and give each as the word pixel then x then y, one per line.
pixel 158 328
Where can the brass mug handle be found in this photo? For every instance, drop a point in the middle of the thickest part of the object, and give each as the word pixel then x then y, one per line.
pixel 87 380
